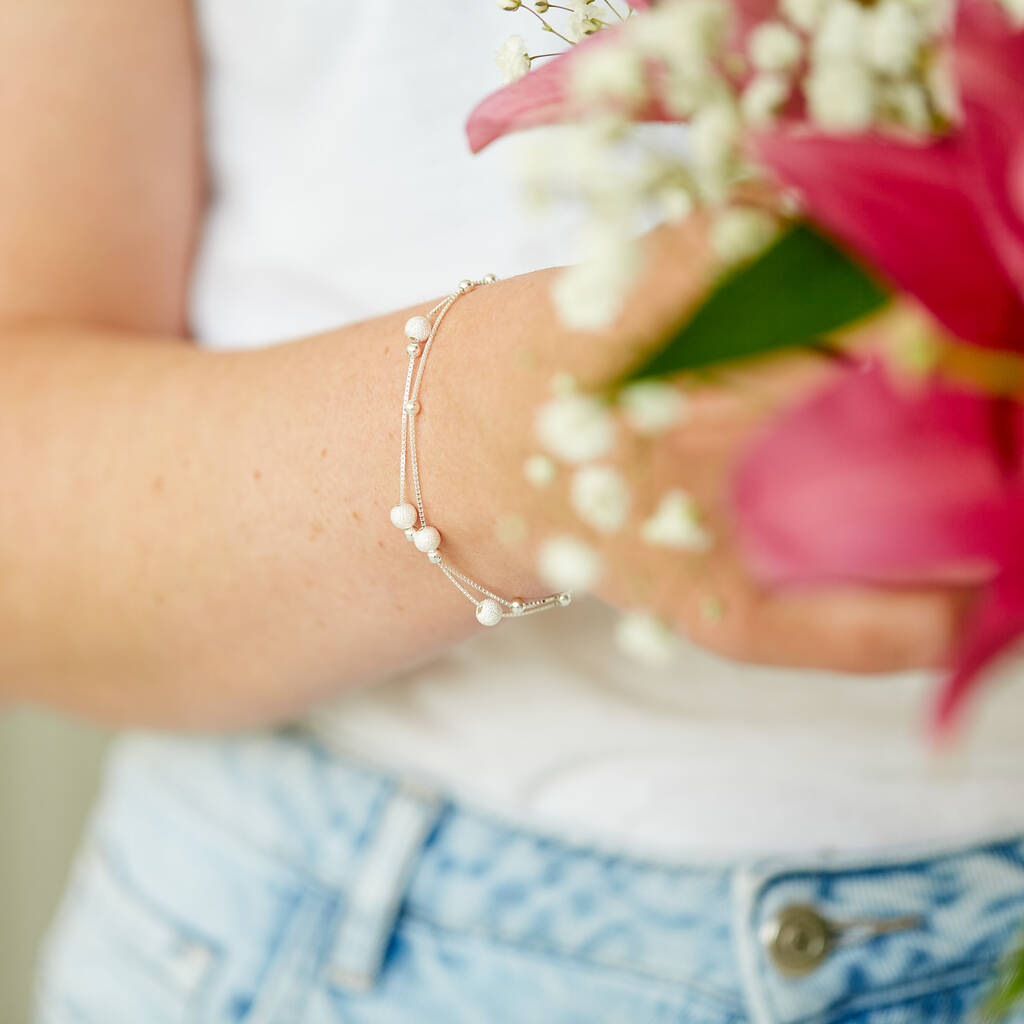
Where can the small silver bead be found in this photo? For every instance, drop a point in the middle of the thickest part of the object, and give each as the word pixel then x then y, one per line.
pixel 411 407
pixel 465 285
pixel 564 599
pixel 410 533
pixel 518 607
pixel 434 556
pixel 417 328
pixel 413 349
pixel 489 278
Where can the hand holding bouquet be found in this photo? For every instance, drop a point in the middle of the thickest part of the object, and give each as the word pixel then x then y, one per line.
pixel 843 152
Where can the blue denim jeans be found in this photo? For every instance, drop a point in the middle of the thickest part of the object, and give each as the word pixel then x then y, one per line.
pixel 260 879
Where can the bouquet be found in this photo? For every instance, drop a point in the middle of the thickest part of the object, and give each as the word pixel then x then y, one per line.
pixel 845 153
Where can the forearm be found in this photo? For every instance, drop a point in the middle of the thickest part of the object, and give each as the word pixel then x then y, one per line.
pixel 203 538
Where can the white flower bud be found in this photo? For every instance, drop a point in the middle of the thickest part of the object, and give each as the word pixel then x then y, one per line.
pixel 600 496
pixel 539 471
pixel 568 563
pixel 841 97
pixel 652 406
pixel 774 47
pixel 645 638
pixel 576 428
pixel 763 98
pixel 840 36
pixel 510 5
pixel 610 75
pixel 512 59
pixel 741 232
pixel 676 524
pixel 805 14
pixel 893 38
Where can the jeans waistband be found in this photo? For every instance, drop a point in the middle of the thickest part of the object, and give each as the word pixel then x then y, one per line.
pixel 782 939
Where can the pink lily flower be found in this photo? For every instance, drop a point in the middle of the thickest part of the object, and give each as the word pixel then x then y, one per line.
pixel 931 484
pixel 872 484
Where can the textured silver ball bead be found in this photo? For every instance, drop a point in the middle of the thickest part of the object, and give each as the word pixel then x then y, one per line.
pixel 489 278
pixel 564 599
pixel 403 516
pixel 488 612
pixel 518 607
pixel 413 349
pixel 417 328
pixel 411 407
pixel 465 285
pixel 434 556
pixel 410 534
pixel 427 539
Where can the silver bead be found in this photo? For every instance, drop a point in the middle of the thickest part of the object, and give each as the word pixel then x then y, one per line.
pixel 434 556
pixel 488 612
pixel 413 349
pixel 465 285
pixel 518 607
pixel 427 539
pixel 418 328
pixel 410 534
pixel 411 407
pixel 403 516
pixel 489 278
pixel 565 599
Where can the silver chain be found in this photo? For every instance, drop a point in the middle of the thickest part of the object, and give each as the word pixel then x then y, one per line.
pixel 491 608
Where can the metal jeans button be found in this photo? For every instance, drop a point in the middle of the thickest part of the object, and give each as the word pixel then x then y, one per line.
pixel 798 940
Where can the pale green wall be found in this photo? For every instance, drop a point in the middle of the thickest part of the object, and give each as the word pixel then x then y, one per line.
pixel 48 775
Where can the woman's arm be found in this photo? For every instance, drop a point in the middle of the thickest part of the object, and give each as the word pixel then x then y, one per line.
pixel 197 538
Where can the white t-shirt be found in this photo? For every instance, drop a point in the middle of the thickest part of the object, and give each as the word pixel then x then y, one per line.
pixel 344 188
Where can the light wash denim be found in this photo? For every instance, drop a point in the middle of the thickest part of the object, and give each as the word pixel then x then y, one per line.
pixel 260 879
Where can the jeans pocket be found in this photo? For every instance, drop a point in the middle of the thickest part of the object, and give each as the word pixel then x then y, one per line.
pixel 114 957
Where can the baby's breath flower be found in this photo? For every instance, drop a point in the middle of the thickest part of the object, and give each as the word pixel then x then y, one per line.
pixel 805 14
pixel 576 428
pixel 600 496
pixel 652 406
pixel 589 295
pixel 763 98
pixel 714 138
pixel 539 470
pixel 568 563
pixel 774 47
pixel 740 232
pixel 610 75
pixel 581 22
pixel 840 36
pixel 512 59
pixel 893 37
pixel 907 104
pixel 676 524
pixel 841 96
pixel 646 638
pixel 510 5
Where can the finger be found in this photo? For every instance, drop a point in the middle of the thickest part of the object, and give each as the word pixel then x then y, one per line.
pixel 854 630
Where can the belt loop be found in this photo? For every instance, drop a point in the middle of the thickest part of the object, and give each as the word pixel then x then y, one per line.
pixel 374 895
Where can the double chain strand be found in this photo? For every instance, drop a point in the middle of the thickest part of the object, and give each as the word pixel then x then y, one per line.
pixel 411 518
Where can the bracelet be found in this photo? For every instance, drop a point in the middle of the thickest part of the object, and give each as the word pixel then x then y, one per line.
pixel 491 608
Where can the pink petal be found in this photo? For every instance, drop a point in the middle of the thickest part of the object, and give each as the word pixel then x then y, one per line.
pixel 904 208
pixel 989 62
pixel 864 484
pixel 996 623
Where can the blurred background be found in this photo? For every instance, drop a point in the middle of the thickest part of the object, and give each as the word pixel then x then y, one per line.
pixel 49 772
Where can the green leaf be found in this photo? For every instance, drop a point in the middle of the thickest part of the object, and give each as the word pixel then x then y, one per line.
pixel 799 289
pixel 1009 989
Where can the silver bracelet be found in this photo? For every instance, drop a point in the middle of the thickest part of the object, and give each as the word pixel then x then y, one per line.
pixel 491 608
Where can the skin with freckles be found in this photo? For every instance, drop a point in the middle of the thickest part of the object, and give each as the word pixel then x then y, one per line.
pixel 199 539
